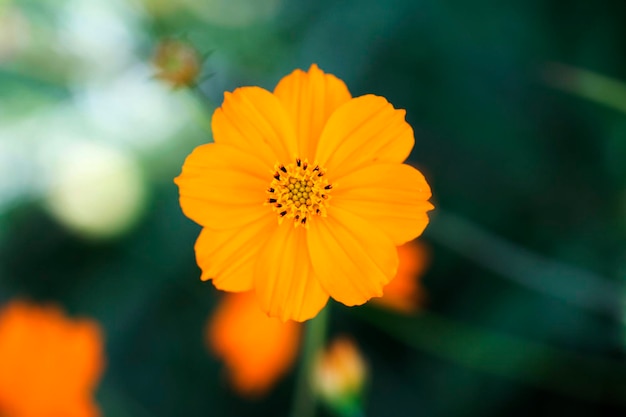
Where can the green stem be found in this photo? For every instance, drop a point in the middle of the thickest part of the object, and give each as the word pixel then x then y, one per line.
pixel 591 85
pixel 590 377
pixel 314 339
pixel 203 113
pixel 566 282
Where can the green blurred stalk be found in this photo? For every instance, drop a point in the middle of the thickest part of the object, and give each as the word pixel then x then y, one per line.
pixel 116 402
pixel 573 285
pixel 518 359
pixel 587 84
pixel 204 113
pixel 304 401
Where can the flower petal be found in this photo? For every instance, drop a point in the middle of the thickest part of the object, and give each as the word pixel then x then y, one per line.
pixel 363 130
pixel 352 259
pixel 394 197
pixel 253 120
pixel 228 256
pixel 285 284
pixel 310 98
pixel 222 187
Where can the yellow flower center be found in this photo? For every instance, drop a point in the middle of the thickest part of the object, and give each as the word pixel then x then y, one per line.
pixel 299 191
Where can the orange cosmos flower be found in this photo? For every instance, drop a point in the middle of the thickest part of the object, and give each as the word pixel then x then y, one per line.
pixel 49 364
pixel 304 194
pixel 404 292
pixel 257 349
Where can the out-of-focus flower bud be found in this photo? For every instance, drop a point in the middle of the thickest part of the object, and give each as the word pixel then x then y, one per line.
pixel 177 63
pixel 339 377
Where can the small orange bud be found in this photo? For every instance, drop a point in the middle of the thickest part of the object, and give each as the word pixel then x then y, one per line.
pixel 177 62
pixel 339 376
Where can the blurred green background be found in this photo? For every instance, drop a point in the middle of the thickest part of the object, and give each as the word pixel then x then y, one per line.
pixel 520 123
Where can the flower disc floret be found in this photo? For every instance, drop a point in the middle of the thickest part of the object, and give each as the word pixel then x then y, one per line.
pixel 299 191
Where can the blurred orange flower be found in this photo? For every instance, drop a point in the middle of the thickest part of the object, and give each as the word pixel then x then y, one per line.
pixel 256 349
pixel 50 365
pixel 404 293
pixel 304 194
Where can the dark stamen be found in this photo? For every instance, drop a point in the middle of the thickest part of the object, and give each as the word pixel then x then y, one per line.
pixel 272 200
pixel 298 161
pixel 305 165
pixel 328 187
pixel 303 220
pixel 277 176
pixel 271 190
pixel 282 213
pixel 282 168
